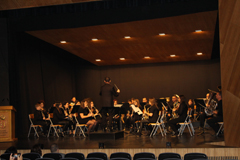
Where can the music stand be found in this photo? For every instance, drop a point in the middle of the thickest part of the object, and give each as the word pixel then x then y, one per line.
pixel 160 103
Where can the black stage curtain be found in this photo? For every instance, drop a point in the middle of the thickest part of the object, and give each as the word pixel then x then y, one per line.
pixel 38 71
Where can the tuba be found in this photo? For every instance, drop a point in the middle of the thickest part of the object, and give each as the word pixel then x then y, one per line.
pixel 211 105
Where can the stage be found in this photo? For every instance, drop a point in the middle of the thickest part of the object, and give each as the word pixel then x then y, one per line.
pixel 214 147
pixel 128 141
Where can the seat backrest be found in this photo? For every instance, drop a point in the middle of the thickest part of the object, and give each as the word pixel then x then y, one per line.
pixel 145 158
pixel 163 156
pixel 93 158
pixel 75 116
pixel 31 117
pixel 44 158
pixel 119 158
pixel 31 156
pixel 77 155
pixel 68 158
pixel 121 155
pixel 98 155
pixel 55 156
pixel 191 156
pixel 144 155
pixel 5 156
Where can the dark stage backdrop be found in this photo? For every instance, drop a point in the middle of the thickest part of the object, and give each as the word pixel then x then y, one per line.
pixel 192 79
pixel 39 71
pixel 4 78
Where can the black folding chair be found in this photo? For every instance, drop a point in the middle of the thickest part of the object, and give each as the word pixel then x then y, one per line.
pixel 191 156
pixel 121 155
pixel 31 156
pixel 77 155
pixel 98 155
pixel 144 155
pixel 166 155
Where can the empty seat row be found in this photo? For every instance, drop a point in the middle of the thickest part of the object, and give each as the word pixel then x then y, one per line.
pixel 113 156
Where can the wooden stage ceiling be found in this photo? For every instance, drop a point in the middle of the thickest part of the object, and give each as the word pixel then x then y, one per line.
pixel 180 39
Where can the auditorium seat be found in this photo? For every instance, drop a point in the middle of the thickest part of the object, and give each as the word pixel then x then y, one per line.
pixel 191 156
pixel 97 155
pixel 77 155
pixel 44 158
pixel 31 156
pixel 69 158
pixel 144 155
pixel 5 156
pixel 168 155
pixel 55 156
pixel 93 158
pixel 121 155
pixel 119 158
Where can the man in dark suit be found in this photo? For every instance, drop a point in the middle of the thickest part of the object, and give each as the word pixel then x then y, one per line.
pixel 107 92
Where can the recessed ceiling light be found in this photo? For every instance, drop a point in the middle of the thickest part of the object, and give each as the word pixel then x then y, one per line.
pixel 199 53
pixel 98 60
pixel 146 57
pixel 162 34
pixel 127 37
pixel 172 55
pixel 122 59
pixel 198 30
pixel 94 39
pixel 63 42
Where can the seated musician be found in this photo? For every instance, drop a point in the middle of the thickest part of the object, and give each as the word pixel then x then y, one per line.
pixel 191 107
pixel 152 114
pixel 68 115
pixel 40 119
pixel 42 103
pixel 97 115
pixel 217 114
pixel 60 118
pixel 125 114
pixel 86 116
pixel 203 115
pixel 181 110
pixel 135 116
pixel 73 102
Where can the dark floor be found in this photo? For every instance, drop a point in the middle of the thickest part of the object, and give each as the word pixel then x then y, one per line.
pixel 129 141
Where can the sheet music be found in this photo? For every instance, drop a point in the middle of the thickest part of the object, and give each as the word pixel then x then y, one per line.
pixel 136 109
pixel 118 105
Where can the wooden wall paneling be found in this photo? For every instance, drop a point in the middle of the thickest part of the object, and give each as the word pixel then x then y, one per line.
pixel 230 57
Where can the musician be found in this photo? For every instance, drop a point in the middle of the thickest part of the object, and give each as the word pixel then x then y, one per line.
pixel 125 114
pixel 42 103
pixel 203 115
pixel 181 110
pixel 97 115
pixel 107 92
pixel 68 115
pixel 73 102
pixel 152 114
pixel 86 116
pixel 218 114
pixel 190 106
pixel 135 116
pixel 40 119
pixel 60 118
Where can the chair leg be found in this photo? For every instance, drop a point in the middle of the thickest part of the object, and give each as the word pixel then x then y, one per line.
pixel 29 131
pixel 35 131
pixel 189 129
pixel 219 129
pixel 49 131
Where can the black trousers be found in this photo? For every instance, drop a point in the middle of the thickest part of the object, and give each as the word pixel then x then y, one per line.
pixel 202 118
pixel 111 112
pixel 45 125
pixel 213 123
pixel 174 123
pixel 65 124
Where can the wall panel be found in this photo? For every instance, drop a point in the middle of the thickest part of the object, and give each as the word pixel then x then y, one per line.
pixel 229 22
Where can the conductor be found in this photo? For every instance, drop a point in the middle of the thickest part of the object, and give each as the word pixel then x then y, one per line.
pixel 107 92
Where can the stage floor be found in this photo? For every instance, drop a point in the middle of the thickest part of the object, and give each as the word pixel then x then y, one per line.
pixel 128 141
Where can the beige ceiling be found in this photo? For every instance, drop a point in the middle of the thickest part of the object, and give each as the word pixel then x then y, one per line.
pixel 180 40
pixel 17 4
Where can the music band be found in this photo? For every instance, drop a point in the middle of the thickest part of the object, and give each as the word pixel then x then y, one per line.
pixel 133 115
